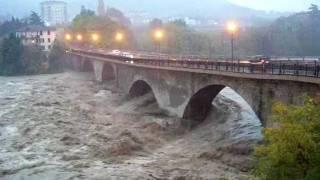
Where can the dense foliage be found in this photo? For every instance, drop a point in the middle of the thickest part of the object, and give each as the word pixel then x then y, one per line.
pixel 16 59
pixel 292 148
pixel 296 35
pixel 56 58
pixel 33 60
pixel 15 24
pixel 87 22
pixel 11 51
pixel 34 19
pixel 11 26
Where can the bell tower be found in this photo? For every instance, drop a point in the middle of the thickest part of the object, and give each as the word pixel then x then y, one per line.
pixel 101 11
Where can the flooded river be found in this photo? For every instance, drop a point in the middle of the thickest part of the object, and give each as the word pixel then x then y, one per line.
pixel 68 127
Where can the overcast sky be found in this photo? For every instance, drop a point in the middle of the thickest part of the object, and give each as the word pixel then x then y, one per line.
pixel 277 5
pixel 22 8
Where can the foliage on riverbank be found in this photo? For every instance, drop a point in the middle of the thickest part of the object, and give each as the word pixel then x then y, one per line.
pixel 292 147
pixel 16 59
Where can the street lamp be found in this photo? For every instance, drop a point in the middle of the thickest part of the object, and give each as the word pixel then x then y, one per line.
pixel 68 37
pixel 158 36
pixel 119 37
pixel 232 28
pixel 95 37
pixel 79 37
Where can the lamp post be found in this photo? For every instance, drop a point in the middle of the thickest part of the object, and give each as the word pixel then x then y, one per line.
pixel 68 37
pixel 95 37
pixel 232 28
pixel 119 37
pixel 79 37
pixel 158 36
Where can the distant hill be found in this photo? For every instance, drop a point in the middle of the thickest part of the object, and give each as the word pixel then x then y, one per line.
pixel 155 8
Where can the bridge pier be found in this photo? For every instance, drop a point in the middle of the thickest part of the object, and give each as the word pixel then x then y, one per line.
pixel 75 62
pixel 98 70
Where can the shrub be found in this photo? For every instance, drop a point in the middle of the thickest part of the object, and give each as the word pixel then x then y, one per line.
pixel 56 58
pixel 33 60
pixel 292 148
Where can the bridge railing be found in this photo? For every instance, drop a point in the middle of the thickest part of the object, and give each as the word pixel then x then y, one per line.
pixel 293 68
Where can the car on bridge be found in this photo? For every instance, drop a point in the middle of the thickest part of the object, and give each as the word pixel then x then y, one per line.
pixel 127 54
pixel 115 52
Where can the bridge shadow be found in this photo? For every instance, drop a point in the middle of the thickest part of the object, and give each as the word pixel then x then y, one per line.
pixel 108 73
pixel 87 66
pixel 143 95
pixel 139 88
pixel 201 103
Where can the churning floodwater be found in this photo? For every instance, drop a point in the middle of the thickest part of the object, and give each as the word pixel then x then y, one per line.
pixel 66 126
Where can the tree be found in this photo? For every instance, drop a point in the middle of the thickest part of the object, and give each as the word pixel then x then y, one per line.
pixel 11 26
pixel 82 20
pixel 180 23
pixel 33 60
pixel 56 61
pixel 86 12
pixel 11 53
pixel 156 23
pixel 292 148
pixel 88 22
pixel 118 16
pixel 314 9
pixel 34 19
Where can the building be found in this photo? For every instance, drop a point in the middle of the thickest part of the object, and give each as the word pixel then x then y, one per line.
pixel 54 12
pixel 101 10
pixel 38 35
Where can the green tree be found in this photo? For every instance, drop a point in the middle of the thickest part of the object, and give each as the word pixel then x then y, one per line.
pixel 87 22
pixel 118 16
pixel 11 53
pixel 34 19
pixel 56 58
pixel 11 26
pixel 33 60
pixel 314 9
pixel 83 19
pixel 292 147
pixel 156 23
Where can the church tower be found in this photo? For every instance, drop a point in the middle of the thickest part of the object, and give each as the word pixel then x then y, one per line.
pixel 101 11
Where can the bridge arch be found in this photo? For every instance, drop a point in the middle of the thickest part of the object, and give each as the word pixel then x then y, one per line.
pixel 200 104
pixel 86 65
pixel 108 72
pixel 141 87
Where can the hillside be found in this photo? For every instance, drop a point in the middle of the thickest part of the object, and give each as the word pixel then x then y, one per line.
pixel 155 8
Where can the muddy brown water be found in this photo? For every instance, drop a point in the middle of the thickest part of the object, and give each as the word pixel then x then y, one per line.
pixel 66 126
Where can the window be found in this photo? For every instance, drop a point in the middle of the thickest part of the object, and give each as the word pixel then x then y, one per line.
pixel 49 32
pixel 49 40
pixel 41 33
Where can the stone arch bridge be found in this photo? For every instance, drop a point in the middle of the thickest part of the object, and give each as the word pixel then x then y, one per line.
pixel 186 88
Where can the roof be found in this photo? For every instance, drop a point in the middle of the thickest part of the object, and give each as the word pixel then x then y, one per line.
pixel 36 28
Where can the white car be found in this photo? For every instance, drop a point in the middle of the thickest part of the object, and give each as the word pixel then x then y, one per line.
pixel 116 52
pixel 127 54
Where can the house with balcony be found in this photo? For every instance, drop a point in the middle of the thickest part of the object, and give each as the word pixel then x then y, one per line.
pixel 38 35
